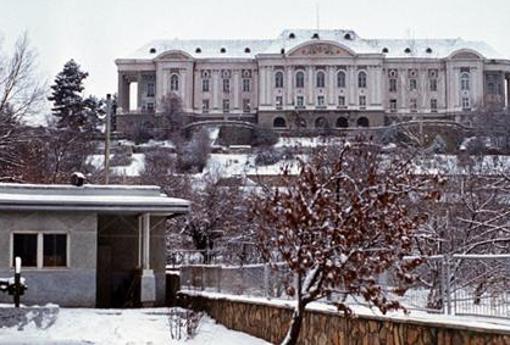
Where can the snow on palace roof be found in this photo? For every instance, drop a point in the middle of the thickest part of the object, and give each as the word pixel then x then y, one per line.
pixel 95 198
pixel 289 39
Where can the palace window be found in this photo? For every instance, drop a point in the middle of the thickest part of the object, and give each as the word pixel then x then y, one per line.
pixel 279 102
pixel 466 103
pixel 226 105
pixel 340 79
pixel 433 105
pixel 300 101
pixel 246 85
pixel 300 79
pixel 362 79
pixel 320 101
pixel 205 85
pixel 321 79
pixel 393 105
pixel 278 80
pixel 279 122
pixel 246 105
pixel 150 89
pixel 433 84
pixel 464 82
pixel 412 84
pixel 413 104
pixel 362 101
pixel 393 85
pixel 341 101
pixel 205 105
pixel 174 83
pixel 226 85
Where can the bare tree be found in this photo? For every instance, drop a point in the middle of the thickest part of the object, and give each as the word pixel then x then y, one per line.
pixel 339 223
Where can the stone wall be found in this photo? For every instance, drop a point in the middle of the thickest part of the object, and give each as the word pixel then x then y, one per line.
pixel 270 322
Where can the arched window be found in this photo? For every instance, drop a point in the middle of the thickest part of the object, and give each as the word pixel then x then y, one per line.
pixel 340 79
pixel 464 82
pixel 363 122
pixel 300 79
pixel 362 79
pixel 321 79
pixel 321 122
pixel 342 122
pixel 174 83
pixel 278 79
pixel 279 122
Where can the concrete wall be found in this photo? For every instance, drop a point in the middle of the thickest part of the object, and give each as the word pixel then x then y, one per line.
pixel 270 322
pixel 70 286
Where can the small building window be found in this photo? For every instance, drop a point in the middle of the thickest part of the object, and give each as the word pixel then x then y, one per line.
pixel 54 250
pixel 407 50
pixel 466 103
pixel 348 36
pixel 385 50
pixel 300 79
pixel 412 84
pixel 321 122
pixel 279 101
pixel 363 122
pixel 223 50
pixel 315 36
pixel 362 101
pixel 152 51
pixel 300 101
pixel 246 85
pixel 320 79
pixel 340 79
pixel 433 84
pixel 362 79
pixel 292 35
pixel 341 101
pixel 282 51
pixel 433 105
pixel 278 79
pixel 279 122
pixel 205 85
pixel 393 105
pixel 205 105
pixel 198 50
pixel 247 50
pixel 393 85
pixel 464 82
pixel 226 105
pixel 342 122
pixel 174 83
pixel 429 50
pixel 226 85
pixel 25 246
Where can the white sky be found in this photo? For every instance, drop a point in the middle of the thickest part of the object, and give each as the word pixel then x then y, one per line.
pixel 95 32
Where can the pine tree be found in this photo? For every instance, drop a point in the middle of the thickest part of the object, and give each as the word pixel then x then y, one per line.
pixel 68 103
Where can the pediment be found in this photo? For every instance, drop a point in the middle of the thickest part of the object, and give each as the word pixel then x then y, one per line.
pixel 465 55
pixel 174 55
pixel 321 50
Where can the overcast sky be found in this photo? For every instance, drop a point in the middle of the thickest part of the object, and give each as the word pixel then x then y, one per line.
pixel 95 32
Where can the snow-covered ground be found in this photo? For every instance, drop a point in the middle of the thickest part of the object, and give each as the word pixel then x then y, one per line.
pixel 111 326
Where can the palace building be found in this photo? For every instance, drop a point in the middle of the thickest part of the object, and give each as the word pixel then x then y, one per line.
pixel 314 79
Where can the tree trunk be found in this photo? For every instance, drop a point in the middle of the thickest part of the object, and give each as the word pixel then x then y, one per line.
pixel 295 326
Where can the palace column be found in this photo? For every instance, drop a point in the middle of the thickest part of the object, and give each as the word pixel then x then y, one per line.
pixel 269 85
pixel 310 85
pixel 262 86
pixel 123 93
pixel 289 86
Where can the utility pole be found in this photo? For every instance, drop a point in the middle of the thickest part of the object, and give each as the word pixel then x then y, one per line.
pixel 107 138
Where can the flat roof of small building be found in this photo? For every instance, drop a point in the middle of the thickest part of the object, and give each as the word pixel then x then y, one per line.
pixel 92 198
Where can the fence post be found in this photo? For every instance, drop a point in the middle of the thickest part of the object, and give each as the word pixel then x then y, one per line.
pixel 218 278
pixel 266 280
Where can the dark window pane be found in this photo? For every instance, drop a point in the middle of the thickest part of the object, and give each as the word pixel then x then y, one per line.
pixel 25 246
pixel 55 250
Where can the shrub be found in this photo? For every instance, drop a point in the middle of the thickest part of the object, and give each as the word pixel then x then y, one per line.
pixel 264 137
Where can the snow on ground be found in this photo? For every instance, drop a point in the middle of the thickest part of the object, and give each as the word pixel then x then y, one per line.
pixel 114 326
pixel 134 169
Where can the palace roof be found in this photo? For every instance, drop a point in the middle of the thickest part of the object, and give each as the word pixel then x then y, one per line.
pixel 290 39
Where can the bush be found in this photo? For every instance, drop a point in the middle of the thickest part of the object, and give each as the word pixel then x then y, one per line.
pixel 264 137
pixel 193 155
pixel 268 156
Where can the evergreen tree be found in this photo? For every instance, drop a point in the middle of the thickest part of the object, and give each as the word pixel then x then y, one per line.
pixel 68 103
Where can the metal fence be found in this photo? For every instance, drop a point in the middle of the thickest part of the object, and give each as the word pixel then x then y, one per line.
pixel 476 285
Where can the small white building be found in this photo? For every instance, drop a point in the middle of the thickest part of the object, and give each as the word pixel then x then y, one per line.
pixel 87 246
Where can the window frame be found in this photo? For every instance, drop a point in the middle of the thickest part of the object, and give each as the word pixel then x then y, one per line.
pixel 206 87
pixel 174 82
pixel 278 80
pixel 226 85
pixel 362 101
pixel 433 105
pixel 320 79
pixel 151 89
pixel 340 79
pixel 362 79
pixel 205 102
pixel 40 249
pixel 393 85
pixel 465 81
pixel 246 85
pixel 433 84
pixel 300 82
pixel 413 84
pixel 226 105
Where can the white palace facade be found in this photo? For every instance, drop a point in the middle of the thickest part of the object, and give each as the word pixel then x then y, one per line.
pixel 314 79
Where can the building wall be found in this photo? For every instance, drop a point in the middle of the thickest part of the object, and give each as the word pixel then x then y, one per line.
pixel 74 285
